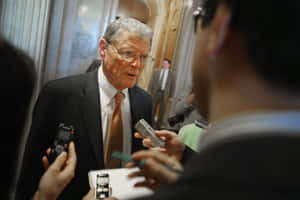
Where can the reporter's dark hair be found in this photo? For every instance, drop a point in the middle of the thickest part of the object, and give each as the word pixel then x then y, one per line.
pixel 271 33
pixel 17 81
pixel 17 84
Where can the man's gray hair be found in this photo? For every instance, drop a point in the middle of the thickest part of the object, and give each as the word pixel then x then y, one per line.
pixel 127 24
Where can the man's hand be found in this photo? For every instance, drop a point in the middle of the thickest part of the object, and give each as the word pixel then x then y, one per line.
pixel 154 172
pixel 58 175
pixel 174 146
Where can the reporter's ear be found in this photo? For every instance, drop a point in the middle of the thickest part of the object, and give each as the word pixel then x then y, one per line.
pixel 221 30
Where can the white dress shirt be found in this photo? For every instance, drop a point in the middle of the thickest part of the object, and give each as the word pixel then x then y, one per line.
pixel 107 100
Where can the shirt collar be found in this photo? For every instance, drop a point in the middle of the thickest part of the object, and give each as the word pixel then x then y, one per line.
pixel 109 90
pixel 250 122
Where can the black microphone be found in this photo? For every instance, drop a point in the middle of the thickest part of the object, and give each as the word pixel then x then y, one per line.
pixel 179 117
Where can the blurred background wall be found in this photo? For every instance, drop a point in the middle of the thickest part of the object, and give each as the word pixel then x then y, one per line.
pixel 62 35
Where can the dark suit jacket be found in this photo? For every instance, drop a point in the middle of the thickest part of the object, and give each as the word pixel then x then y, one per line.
pixel 94 66
pixel 74 101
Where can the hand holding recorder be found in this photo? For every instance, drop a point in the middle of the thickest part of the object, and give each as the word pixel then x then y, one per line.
pixel 59 163
pixel 167 141
pixel 58 175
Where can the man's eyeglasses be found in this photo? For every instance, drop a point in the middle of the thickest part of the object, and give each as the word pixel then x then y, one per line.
pixel 197 14
pixel 130 56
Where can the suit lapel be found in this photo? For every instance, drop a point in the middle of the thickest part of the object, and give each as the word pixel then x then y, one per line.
pixel 133 108
pixel 136 110
pixel 92 116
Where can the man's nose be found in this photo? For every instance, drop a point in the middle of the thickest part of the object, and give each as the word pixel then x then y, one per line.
pixel 137 62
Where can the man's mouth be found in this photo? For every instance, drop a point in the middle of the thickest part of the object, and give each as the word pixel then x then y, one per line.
pixel 131 75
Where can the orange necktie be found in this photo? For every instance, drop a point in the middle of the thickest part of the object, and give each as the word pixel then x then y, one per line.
pixel 115 135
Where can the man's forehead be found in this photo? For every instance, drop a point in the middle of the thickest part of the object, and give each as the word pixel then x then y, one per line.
pixel 133 40
pixel 127 35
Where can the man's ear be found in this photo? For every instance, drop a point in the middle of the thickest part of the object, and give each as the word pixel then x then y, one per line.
pixel 221 30
pixel 102 47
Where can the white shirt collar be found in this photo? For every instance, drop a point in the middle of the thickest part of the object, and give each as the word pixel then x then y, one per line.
pixel 244 123
pixel 108 89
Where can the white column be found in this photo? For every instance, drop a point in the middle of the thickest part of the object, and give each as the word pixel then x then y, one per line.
pixel 183 56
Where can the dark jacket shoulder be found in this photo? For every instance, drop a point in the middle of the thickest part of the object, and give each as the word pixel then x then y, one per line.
pixel 137 90
pixel 68 85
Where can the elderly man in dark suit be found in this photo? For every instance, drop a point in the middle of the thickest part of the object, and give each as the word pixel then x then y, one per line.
pixel 102 106
pixel 161 88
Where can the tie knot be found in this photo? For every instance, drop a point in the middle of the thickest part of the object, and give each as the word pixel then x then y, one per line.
pixel 119 97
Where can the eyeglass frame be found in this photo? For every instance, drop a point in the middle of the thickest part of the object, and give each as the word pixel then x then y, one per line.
pixel 198 14
pixel 132 57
